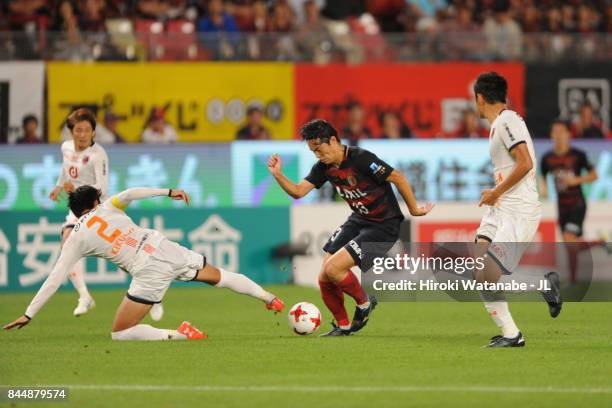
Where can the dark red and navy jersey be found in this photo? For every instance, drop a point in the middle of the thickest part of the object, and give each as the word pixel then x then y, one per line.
pixel 571 163
pixel 361 181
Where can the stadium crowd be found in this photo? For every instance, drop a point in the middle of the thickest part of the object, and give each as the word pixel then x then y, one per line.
pixel 391 125
pixel 311 30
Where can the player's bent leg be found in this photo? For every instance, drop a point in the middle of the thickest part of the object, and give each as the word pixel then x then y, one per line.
pixel 337 269
pixel 495 302
pixel 333 297
pixel 238 283
pixel 86 302
pixel 126 325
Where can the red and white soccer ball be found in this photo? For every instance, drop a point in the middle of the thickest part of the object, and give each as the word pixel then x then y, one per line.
pixel 304 318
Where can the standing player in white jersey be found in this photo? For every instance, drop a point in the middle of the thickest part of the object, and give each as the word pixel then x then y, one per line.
pixel 84 163
pixel 513 208
pixel 104 230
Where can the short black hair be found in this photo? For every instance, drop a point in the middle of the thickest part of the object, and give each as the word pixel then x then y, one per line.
pixel 561 121
pixel 83 199
pixel 80 115
pixel 318 129
pixel 27 119
pixel 492 86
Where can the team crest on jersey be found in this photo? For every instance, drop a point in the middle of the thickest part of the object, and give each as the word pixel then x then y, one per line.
pixel 85 159
pixel 352 181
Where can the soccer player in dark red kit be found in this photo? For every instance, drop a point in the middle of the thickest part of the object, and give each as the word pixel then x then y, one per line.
pixel 570 168
pixel 364 182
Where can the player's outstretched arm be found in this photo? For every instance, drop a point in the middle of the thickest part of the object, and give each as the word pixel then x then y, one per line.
pixel 403 186
pixel 69 256
pixel 294 190
pixel 523 165
pixel 124 198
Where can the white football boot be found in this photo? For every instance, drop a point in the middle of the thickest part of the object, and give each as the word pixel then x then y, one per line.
pixel 84 306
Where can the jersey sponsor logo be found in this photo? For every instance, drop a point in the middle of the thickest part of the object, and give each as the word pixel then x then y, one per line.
pixel 73 172
pixel 350 194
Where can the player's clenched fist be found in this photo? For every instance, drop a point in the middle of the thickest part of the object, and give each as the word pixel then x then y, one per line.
pixel 179 195
pixel 274 164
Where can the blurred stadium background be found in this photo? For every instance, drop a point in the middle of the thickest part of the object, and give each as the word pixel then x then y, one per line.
pixel 197 94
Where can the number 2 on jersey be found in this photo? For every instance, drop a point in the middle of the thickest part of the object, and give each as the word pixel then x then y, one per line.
pixel 102 225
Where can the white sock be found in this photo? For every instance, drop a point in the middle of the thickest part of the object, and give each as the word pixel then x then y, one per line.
pixel 497 306
pixel 78 280
pixel 241 284
pixel 147 332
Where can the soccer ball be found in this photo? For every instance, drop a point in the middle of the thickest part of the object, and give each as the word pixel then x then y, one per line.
pixel 304 318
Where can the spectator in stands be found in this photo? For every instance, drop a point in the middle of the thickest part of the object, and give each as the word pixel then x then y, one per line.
pixel 587 127
pixel 108 133
pixel 258 18
pixel 313 38
pixel 214 25
pixel 70 45
pixel 26 18
pixel 530 19
pixel 568 21
pixel 217 19
pixel 607 28
pixel 299 9
pixel 470 126
pixel 553 20
pixel 282 22
pixel 158 131
pixel 426 11
pixel 254 128
pixel 29 125
pixel 393 127
pixel 504 35
pixel 465 38
pixel 356 129
pixel 160 10
pixel 92 15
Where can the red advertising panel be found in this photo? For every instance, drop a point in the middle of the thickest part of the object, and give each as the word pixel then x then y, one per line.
pixel 440 231
pixel 430 98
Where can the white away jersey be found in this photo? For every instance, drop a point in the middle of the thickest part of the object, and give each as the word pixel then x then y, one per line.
pixel 89 167
pixel 106 232
pixel 508 130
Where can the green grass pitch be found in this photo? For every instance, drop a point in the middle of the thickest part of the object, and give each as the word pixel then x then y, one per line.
pixel 422 354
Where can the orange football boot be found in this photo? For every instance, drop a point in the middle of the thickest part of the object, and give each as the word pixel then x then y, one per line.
pixel 191 332
pixel 276 304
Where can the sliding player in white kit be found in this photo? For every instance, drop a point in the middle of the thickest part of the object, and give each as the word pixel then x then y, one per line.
pixel 84 163
pixel 104 230
pixel 513 208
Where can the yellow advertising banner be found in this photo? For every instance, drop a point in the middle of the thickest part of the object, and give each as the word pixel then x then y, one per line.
pixel 202 101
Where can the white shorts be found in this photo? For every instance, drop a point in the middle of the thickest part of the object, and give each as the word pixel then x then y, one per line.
pixel 510 233
pixel 170 261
